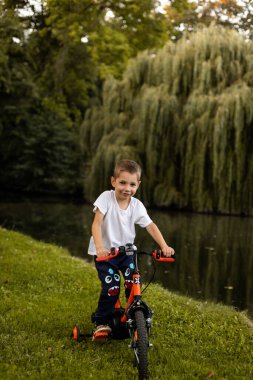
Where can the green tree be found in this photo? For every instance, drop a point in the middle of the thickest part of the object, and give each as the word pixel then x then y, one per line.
pixel 75 44
pixel 17 89
pixel 38 149
pixel 47 156
pixel 185 114
pixel 54 59
pixel 102 36
pixel 181 15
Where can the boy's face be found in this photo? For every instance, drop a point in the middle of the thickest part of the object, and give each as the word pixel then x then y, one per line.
pixel 125 185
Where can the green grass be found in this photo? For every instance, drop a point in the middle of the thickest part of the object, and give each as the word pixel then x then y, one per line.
pixel 45 291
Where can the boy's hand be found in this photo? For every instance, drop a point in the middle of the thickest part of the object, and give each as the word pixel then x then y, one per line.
pixel 154 231
pixel 101 251
pixel 167 251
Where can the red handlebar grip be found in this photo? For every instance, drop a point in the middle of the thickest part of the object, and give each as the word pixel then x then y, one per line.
pixel 167 259
pixel 114 252
pixel 157 254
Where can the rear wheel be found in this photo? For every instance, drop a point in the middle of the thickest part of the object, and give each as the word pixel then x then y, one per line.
pixel 141 344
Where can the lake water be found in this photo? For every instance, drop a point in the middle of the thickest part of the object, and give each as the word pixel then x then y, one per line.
pixel 214 254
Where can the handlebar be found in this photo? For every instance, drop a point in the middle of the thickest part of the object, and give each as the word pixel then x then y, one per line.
pixel 113 253
pixel 158 256
pixel 130 250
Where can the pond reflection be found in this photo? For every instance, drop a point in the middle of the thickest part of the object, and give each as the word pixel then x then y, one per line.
pixel 214 254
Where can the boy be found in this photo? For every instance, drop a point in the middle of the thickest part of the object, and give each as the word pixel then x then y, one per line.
pixel 116 213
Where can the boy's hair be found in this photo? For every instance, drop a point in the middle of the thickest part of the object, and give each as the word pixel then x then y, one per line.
pixel 127 166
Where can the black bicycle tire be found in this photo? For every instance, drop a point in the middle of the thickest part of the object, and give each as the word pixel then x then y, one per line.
pixel 141 344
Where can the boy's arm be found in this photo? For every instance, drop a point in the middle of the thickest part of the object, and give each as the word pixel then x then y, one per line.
pixel 154 231
pixel 97 234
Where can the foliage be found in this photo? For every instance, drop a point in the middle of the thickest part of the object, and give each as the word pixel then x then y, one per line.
pixel 39 149
pixel 231 13
pixel 112 33
pixel 45 292
pixel 40 155
pixel 185 15
pixel 188 113
pixel 54 57
pixel 180 16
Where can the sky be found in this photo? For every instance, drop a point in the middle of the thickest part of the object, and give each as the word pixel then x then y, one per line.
pixel 163 2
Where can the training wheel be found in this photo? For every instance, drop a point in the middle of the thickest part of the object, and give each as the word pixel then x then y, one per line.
pixel 76 335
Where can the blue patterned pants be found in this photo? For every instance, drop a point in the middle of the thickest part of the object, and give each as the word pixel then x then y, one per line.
pixel 109 275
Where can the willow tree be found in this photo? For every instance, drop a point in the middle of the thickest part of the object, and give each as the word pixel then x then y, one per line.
pixel 186 113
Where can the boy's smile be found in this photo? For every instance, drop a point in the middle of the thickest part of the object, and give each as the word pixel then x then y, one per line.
pixel 125 185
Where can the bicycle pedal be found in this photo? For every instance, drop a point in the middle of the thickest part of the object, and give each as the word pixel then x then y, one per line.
pixel 100 337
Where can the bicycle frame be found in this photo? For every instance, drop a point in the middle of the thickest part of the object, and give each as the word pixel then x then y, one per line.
pixel 135 298
pixel 134 295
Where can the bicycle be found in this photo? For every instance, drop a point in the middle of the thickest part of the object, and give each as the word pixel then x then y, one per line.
pixel 135 319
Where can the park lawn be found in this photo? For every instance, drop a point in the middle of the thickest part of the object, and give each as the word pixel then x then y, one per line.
pixel 45 291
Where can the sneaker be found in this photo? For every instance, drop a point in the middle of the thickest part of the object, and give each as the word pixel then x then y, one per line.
pixel 101 333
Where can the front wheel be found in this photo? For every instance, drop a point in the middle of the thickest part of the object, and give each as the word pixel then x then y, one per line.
pixel 141 344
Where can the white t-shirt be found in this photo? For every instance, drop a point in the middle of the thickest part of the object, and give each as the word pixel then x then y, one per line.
pixel 118 227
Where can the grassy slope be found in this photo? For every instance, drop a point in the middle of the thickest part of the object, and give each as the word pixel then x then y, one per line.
pixel 44 292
